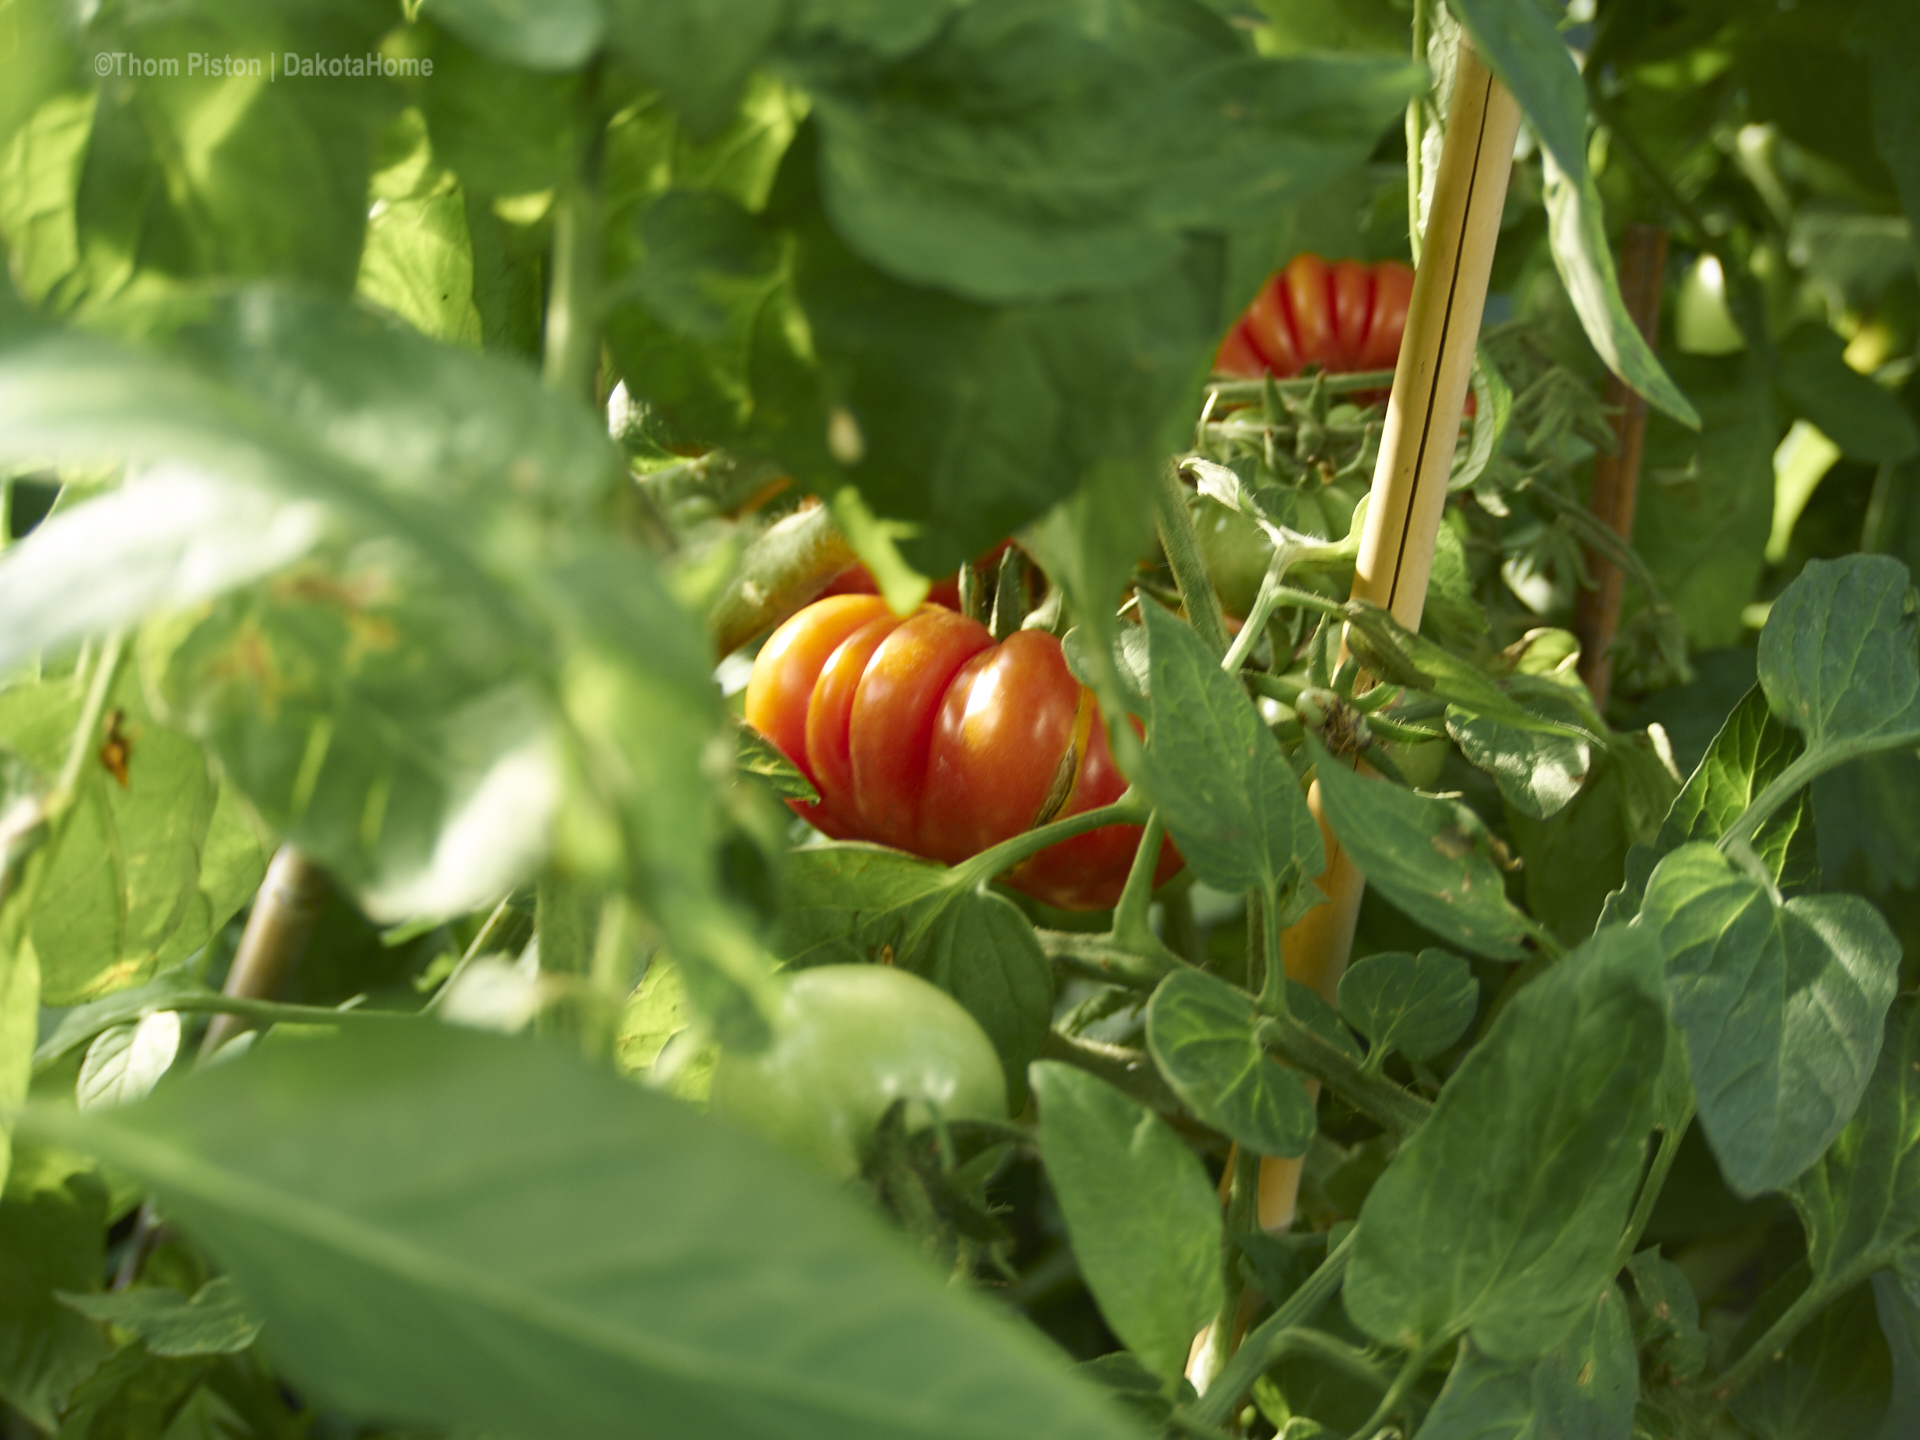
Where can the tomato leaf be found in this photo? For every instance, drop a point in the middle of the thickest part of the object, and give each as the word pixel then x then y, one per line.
pixel 1144 1220
pixel 1229 798
pixel 1702 529
pixel 1837 655
pixel 1880 33
pixel 1860 1202
pixel 1538 774
pixel 1781 1004
pixel 1084 150
pixel 53 1223
pixel 1202 1033
pixel 1431 857
pixel 547 36
pixel 1416 1004
pixel 1834 1379
pixel 1584 1388
pixel 211 1321
pixel 140 875
pixel 127 1061
pixel 1465 1232
pixel 485 1190
pixel 1751 750
pixel 696 54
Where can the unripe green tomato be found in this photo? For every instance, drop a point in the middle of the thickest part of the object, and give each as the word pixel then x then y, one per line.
pixel 849 1040
pixel 1236 551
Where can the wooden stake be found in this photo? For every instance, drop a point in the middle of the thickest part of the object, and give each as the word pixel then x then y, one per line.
pixel 1616 477
pixel 1410 482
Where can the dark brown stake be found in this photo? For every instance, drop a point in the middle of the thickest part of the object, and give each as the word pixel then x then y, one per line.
pixel 1616 477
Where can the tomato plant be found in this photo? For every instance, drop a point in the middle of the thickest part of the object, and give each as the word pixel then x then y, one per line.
pixel 848 1041
pixel 421 428
pixel 924 734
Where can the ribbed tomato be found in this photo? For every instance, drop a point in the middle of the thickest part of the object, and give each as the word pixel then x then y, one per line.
pixel 923 734
pixel 1344 317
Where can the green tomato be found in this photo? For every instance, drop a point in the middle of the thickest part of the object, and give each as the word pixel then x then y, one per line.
pixel 1236 551
pixel 849 1040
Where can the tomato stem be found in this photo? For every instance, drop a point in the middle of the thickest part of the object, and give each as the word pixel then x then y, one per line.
pixel 1129 809
pixel 1182 545
pixel 1250 391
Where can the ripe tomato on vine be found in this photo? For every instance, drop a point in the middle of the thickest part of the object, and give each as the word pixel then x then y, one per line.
pixel 923 734
pixel 1344 317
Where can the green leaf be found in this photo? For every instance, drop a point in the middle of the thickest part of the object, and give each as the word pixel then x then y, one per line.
pixel 1834 1379
pixel 135 1395
pixel 53 1223
pixel 1748 754
pixel 1203 1036
pixel 83 1022
pixel 1431 857
pixel 1584 1390
pixel 1538 774
pixel 1577 230
pixel 1670 1331
pixel 1467 1232
pixel 138 876
pixel 1226 792
pixel 168 538
pixel 1781 1004
pixel 760 756
pixel 503 129
pixel 1837 655
pixel 375 725
pixel 127 1061
pixel 1704 519
pixel 539 34
pixel 1083 149
pixel 1865 421
pixel 1416 1004
pixel 857 903
pixel 1401 656
pixel 695 52
pixel 1861 1202
pixel 479 1266
pixel 1896 1295
pixel 1881 32
pixel 1143 1218
pixel 1868 814
pixel 211 1321
pixel 247 175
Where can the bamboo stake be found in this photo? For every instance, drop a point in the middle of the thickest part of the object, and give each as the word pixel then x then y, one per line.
pixel 1616 477
pixel 1410 481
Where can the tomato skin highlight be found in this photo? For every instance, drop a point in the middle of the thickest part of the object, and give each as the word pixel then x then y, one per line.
pixel 848 1040
pixel 1344 318
pixel 924 735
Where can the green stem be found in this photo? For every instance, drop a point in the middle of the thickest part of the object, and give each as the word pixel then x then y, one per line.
pixel 1131 1072
pixel 86 734
pixel 274 1011
pixel 486 933
pixel 1129 809
pixel 1789 781
pixel 1372 1095
pixel 1256 1352
pixel 571 344
pixel 1273 974
pixel 1264 604
pixel 1402 1387
pixel 1275 687
pixel 1331 1350
pixel 1182 544
pixel 1098 957
pixel 1240 1199
pixel 1650 1191
pixel 1792 1320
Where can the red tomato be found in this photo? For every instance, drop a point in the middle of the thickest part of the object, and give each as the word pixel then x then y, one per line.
pixel 925 735
pixel 1344 317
